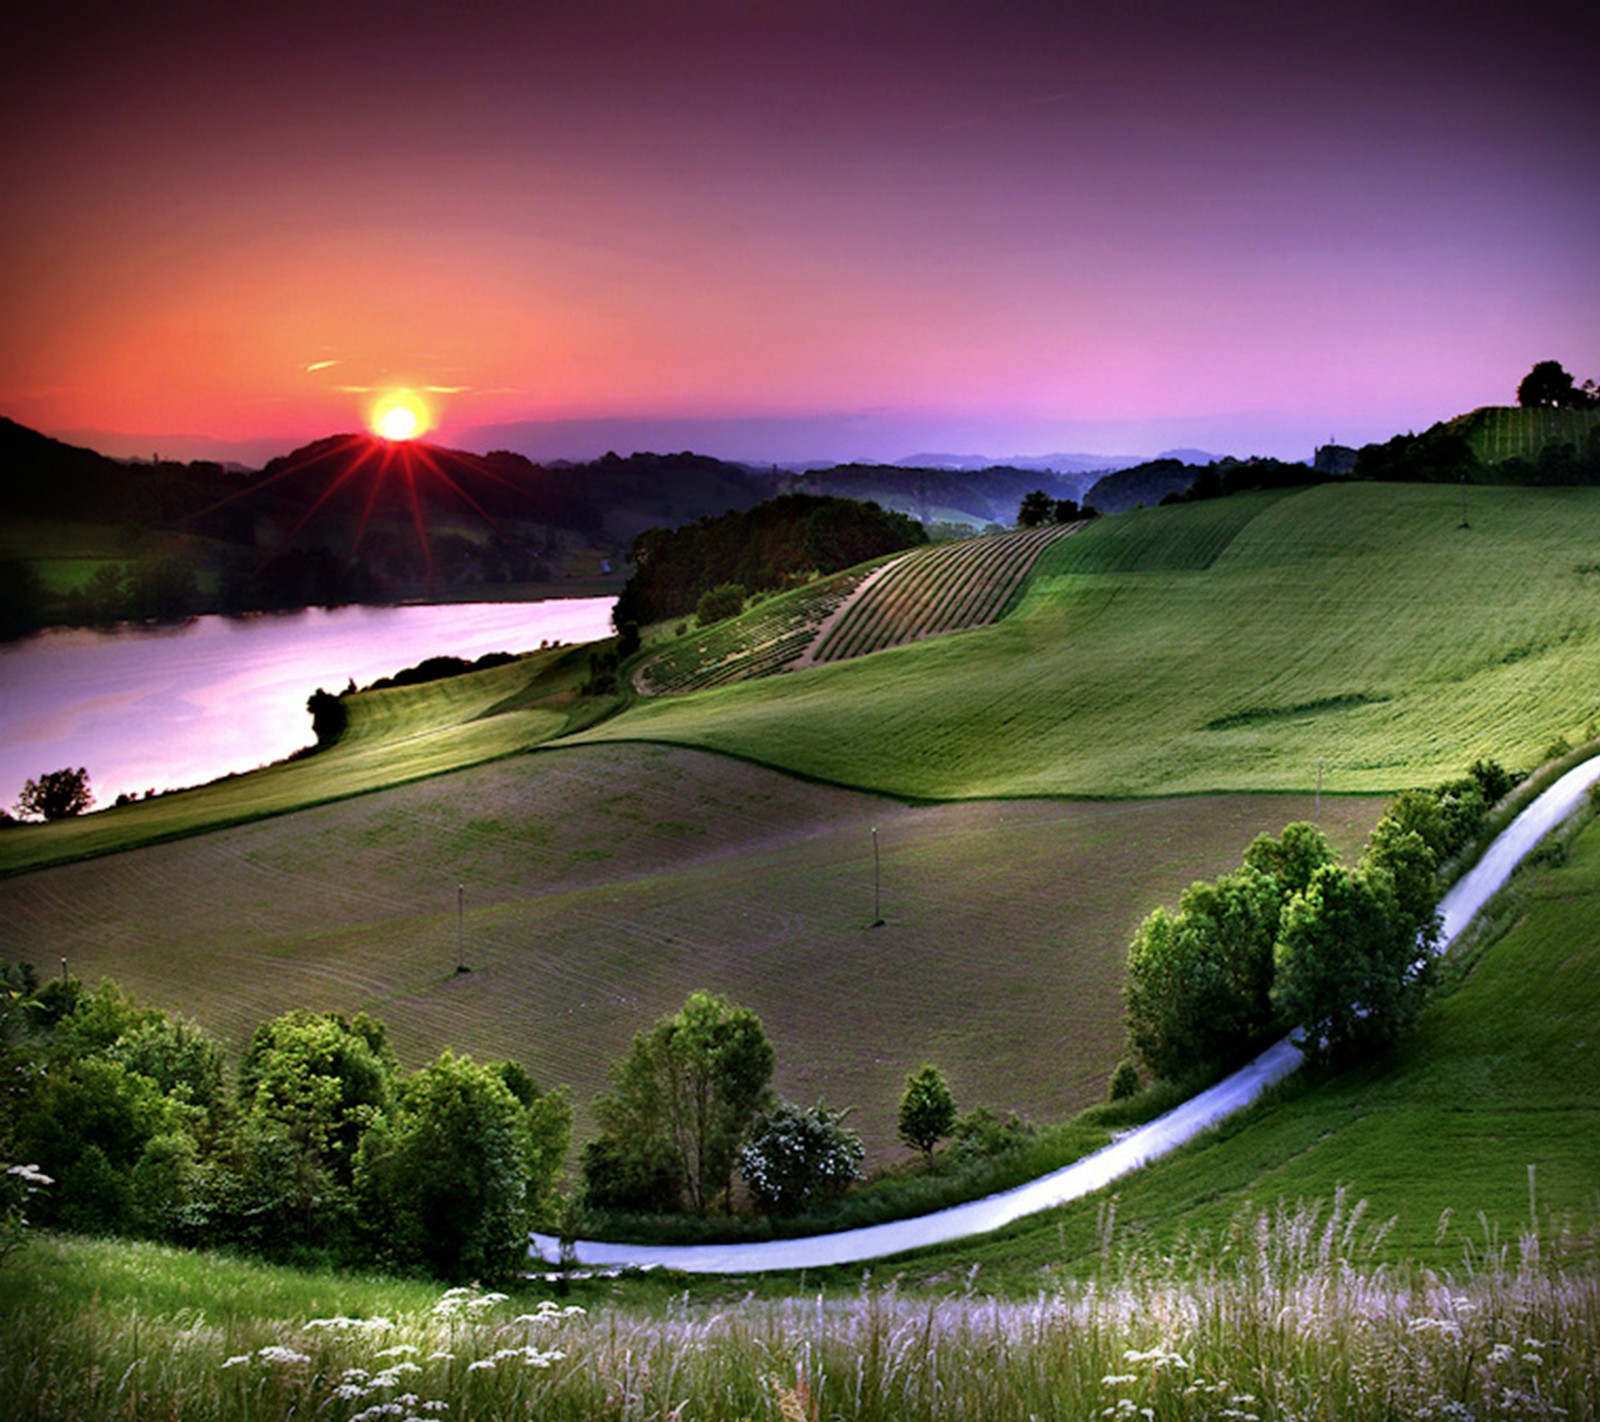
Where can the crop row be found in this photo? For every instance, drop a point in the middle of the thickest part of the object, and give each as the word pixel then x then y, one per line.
pixel 1523 433
pixel 759 644
pixel 945 588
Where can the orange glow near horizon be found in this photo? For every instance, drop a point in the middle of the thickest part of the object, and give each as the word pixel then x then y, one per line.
pixel 399 415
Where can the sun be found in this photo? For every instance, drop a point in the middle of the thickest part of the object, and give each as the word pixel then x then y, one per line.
pixel 399 415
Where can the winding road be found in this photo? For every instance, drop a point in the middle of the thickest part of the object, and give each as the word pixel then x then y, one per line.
pixel 1156 1138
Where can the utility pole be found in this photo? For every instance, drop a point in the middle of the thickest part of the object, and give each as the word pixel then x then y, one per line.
pixel 461 940
pixel 877 881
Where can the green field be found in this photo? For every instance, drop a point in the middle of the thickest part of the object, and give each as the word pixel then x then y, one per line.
pixel 1245 644
pixel 394 735
pixel 605 883
pixel 1254 644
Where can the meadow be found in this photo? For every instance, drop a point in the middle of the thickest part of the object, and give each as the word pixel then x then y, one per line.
pixel 602 884
pixel 1251 643
pixel 1299 1320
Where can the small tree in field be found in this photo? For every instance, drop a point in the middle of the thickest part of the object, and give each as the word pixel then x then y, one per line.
pixel 927 1111
pixel 680 1105
pixel 1036 508
pixel 56 795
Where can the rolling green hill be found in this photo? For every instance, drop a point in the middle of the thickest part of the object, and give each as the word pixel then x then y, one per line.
pixel 1239 644
pixel 1251 643
pixel 1479 1129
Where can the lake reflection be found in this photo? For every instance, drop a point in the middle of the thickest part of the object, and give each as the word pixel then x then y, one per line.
pixel 157 708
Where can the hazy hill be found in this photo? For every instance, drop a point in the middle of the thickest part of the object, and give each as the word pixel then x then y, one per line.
pixel 43 478
pixel 363 475
pixel 977 496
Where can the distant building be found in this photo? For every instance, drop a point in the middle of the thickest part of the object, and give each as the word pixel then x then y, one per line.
pixel 1334 459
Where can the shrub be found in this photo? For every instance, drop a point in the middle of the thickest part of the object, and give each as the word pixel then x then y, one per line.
pixel 927 1111
pixel 720 603
pixel 1124 1081
pixel 798 1157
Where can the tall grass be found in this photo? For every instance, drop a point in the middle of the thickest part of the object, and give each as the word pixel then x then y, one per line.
pixel 1292 1315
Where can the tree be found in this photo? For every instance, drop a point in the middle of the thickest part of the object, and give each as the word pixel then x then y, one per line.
pixel 1198 993
pixel 1065 511
pixel 1403 857
pixel 1348 967
pixel 686 1095
pixel 446 1179
pixel 1036 508
pixel 799 1156
pixel 56 795
pixel 1292 858
pixel 322 1080
pixel 1546 384
pixel 22 598
pixel 723 601
pixel 927 1111
pixel 328 716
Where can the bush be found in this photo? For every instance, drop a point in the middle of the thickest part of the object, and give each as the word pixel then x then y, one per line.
pixel 798 1157
pixel 720 603
pixel 979 1133
pixel 1124 1082
pixel 927 1111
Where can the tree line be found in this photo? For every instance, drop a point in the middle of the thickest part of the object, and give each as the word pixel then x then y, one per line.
pixel 790 537
pixel 1294 939
pixel 316 1146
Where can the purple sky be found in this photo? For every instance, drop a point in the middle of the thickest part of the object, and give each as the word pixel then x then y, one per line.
pixel 796 228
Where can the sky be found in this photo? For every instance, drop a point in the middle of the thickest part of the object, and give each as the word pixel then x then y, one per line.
pixel 792 229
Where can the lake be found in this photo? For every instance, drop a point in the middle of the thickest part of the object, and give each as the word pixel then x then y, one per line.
pixel 159 708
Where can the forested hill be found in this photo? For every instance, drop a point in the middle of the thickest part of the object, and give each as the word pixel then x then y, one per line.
pixel 790 536
pixel 41 477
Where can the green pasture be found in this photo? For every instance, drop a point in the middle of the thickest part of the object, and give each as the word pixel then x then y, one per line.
pixel 603 884
pixel 1356 632
pixel 394 735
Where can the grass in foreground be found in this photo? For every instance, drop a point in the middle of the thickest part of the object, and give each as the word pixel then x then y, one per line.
pixel 1297 1318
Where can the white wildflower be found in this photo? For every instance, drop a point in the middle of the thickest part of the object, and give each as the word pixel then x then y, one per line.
pixel 237 1358
pixel 277 1353
pixel 30 1175
pixel 480 1365
pixel 400 1350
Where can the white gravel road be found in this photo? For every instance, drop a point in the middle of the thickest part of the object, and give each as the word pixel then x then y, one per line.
pixel 1156 1138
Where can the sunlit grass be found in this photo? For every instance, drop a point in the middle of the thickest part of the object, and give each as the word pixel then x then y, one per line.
pixel 1355 632
pixel 394 736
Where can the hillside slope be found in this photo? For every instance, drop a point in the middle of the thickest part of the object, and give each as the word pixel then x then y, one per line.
pixel 1356 632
